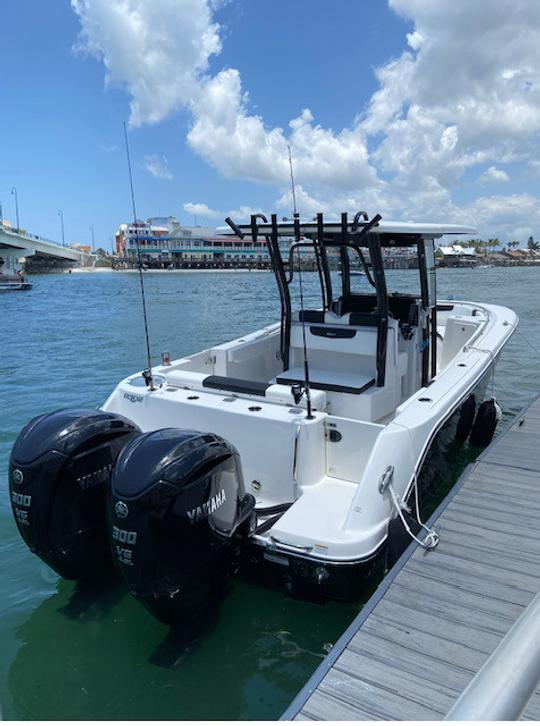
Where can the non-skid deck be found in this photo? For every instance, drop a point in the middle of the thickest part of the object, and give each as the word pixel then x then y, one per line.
pixel 437 616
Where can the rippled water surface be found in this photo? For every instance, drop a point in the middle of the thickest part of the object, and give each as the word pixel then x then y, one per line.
pixel 71 653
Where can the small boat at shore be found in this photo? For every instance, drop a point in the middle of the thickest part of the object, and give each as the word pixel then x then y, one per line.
pixel 17 281
pixel 298 448
pixel 9 283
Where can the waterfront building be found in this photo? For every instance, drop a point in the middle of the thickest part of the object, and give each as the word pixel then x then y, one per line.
pixel 164 242
pixel 456 255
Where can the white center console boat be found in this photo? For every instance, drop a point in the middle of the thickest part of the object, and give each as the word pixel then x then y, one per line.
pixel 295 446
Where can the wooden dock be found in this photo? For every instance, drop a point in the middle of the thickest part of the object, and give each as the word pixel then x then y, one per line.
pixel 437 616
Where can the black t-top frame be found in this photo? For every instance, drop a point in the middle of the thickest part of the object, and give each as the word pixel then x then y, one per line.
pixel 359 233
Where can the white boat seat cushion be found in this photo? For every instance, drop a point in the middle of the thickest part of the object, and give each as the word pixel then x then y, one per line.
pixel 328 380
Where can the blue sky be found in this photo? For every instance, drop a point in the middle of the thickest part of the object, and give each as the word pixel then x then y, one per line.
pixel 379 131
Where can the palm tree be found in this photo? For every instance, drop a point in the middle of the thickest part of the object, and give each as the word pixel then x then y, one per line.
pixel 478 244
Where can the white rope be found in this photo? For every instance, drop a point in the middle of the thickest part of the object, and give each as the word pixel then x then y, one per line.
pixel 432 538
pixel 432 535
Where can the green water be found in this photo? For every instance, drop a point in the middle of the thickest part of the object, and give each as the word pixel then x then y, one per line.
pixel 70 653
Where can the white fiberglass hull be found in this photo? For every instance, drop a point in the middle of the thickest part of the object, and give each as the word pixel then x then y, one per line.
pixel 327 468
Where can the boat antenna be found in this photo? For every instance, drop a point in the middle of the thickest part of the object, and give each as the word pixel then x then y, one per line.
pixel 147 373
pixel 292 181
pixel 307 387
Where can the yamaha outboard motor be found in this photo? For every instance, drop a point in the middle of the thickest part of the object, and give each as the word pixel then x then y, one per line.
pixel 177 500
pixel 59 474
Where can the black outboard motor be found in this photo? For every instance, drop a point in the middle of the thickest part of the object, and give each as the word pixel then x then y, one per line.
pixel 177 500
pixel 59 474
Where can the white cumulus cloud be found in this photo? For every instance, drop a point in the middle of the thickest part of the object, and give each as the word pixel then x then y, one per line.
pixel 239 145
pixel 157 50
pixel 199 209
pixel 492 174
pixel 464 94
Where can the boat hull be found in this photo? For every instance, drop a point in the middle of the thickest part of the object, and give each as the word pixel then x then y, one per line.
pixel 444 459
pixel 15 286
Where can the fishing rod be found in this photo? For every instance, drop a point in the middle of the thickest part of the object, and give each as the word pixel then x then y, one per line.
pixel 147 373
pixel 307 387
pixel 296 217
pixel 292 182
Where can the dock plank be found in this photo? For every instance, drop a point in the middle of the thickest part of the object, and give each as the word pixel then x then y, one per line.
pixel 489 572
pixel 462 580
pixel 511 476
pixel 418 641
pixel 374 699
pixel 494 538
pixel 459 612
pixel 395 680
pixel 454 595
pixel 438 615
pixel 435 670
pixel 518 448
pixel 323 707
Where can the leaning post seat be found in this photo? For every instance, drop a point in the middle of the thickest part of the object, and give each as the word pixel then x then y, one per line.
pixel 344 344
pixel 342 356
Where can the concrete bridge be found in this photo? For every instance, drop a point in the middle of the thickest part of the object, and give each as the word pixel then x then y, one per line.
pixel 15 244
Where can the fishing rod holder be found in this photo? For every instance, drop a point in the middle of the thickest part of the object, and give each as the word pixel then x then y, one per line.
pixel 297 391
pixel 148 379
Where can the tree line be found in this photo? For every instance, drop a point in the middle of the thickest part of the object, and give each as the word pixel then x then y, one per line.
pixel 482 246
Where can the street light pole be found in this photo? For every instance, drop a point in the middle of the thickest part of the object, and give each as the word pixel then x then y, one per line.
pixel 14 192
pixel 61 215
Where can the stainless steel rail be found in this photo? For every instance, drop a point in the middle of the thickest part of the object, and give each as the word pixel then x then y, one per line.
pixel 503 686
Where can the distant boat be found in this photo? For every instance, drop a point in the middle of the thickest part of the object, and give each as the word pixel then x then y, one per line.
pixel 13 282
pixel 17 281
pixel 354 273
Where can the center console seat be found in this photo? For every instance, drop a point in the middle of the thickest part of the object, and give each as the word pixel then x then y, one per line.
pixel 341 353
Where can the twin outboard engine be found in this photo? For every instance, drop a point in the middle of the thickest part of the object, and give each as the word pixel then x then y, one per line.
pixel 177 500
pixel 59 476
pixel 88 489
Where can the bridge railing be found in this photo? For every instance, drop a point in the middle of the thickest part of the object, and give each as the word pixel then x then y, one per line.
pixel 39 238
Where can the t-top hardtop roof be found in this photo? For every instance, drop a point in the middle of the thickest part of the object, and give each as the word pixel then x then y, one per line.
pixel 392 233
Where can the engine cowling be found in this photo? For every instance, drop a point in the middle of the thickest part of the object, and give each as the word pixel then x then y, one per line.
pixel 59 474
pixel 177 501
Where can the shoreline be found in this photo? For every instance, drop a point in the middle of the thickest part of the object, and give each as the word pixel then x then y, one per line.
pixel 92 270
pixel 243 270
